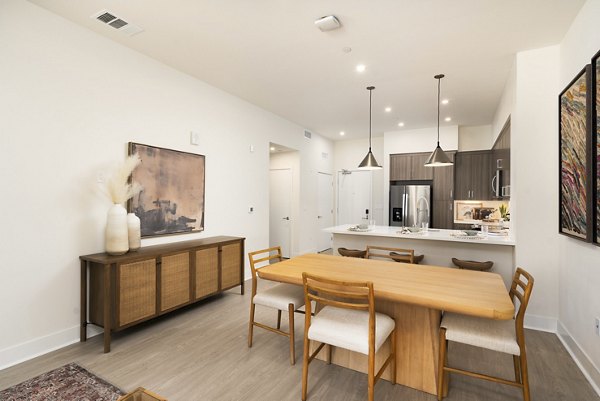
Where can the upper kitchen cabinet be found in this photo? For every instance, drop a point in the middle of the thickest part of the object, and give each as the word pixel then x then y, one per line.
pixel 443 180
pixel 473 178
pixel 410 166
pixel 501 163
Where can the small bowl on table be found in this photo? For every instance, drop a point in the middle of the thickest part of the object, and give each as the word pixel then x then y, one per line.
pixel 470 233
pixel 414 230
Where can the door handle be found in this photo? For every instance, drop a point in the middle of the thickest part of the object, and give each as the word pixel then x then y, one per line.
pixel 286 218
pixel 494 186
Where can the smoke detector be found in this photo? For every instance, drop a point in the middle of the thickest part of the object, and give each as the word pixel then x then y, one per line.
pixel 328 23
pixel 109 18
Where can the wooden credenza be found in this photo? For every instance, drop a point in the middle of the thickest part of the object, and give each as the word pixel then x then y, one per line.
pixel 128 289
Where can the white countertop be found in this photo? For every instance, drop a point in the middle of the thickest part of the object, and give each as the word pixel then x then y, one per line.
pixel 433 234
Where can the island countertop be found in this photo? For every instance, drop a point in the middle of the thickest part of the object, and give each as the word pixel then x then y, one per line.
pixel 433 234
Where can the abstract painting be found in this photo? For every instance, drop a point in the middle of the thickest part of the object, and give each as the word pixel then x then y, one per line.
pixel 596 136
pixel 575 217
pixel 172 196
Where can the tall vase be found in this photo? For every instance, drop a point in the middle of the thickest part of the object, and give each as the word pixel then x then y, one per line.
pixel 133 228
pixel 117 239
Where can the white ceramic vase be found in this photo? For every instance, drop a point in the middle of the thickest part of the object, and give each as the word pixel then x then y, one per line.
pixel 117 238
pixel 133 229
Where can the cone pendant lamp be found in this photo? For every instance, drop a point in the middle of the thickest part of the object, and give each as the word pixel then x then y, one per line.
pixel 369 162
pixel 438 158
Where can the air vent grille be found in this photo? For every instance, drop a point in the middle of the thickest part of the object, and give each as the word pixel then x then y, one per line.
pixel 116 22
pixel 307 134
pixel 106 17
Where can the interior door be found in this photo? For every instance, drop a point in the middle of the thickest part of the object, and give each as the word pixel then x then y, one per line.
pixel 280 207
pixel 354 196
pixel 324 209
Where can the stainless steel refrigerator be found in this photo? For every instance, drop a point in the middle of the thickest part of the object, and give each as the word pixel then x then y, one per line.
pixel 410 203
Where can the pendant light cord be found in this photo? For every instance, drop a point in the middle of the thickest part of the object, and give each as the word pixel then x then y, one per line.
pixel 438 110
pixel 370 109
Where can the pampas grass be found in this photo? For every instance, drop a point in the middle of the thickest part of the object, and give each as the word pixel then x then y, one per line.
pixel 118 188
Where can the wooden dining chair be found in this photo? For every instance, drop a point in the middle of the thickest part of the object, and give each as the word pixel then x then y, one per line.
pixel 383 252
pixel 283 297
pixel 347 320
pixel 505 336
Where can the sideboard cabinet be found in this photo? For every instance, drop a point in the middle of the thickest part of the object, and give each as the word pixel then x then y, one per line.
pixel 128 289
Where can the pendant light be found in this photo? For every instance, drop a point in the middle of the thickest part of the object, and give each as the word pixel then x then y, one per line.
pixel 438 158
pixel 369 162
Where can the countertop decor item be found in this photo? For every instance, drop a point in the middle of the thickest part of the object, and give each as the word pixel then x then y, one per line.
pixel 133 231
pixel 575 139
pixel 172 198
pixel 369 162
pixel 438 158
pixel 120 189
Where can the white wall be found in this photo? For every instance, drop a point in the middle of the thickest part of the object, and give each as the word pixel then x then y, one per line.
pixel 506 105
pixel 70 101
pixel 579 262
pixel 477 137
pixel 348 154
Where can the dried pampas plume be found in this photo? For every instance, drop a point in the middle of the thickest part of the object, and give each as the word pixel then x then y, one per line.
pixel 118 187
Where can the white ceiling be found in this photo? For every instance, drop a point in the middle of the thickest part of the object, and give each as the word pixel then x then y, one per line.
pixel 269 53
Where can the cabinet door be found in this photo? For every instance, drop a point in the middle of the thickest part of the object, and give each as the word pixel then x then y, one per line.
pixel 443 181
pixel 443 214
pixel 231 262
pixel 207 271
pixel 462 176
pixel 481 177
pixel 136 284
pixel 174 280
pixel 400 167
pixel 419 171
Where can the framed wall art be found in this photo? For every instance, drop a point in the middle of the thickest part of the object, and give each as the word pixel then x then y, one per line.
pixel 596 142
pixel 172 197
pixel 575 167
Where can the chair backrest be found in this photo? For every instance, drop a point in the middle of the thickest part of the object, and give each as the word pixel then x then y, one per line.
pixel 341 294
pixel 382 252
pixel 521 290
pixel 262 258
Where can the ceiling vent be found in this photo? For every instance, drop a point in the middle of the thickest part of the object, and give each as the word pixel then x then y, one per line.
pixel 307 134
pixel 118 23
pixel 327 23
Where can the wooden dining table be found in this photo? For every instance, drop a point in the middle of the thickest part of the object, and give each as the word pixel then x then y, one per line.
pixel 415 296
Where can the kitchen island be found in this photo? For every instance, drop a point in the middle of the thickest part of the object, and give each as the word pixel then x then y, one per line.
pixel 439 246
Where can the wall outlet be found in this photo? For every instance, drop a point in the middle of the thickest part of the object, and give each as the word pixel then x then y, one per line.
pixel 597 326
pixel 251 209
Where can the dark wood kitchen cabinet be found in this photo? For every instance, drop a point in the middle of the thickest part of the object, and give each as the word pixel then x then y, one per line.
pixel 443 195
pixel 473 178
pixel 410 166
pixel 501 161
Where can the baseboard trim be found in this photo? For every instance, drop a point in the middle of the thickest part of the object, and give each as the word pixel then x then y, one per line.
pixel 585 364
pixel 540 323
pixel 42 345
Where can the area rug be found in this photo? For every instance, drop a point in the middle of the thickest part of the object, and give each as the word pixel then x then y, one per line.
pixel 67 383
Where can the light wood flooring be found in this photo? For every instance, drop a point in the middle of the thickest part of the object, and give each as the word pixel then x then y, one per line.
pixel 201 353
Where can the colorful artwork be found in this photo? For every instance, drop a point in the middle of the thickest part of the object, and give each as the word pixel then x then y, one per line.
pixel 172 196
pixel 596 67
pixel 574 215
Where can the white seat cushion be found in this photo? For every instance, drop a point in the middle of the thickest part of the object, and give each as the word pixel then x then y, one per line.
pixel 280 296
pixel 497 335
pixel 349 329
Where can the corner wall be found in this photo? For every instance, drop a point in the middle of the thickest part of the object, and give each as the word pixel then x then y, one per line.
pixel 70 102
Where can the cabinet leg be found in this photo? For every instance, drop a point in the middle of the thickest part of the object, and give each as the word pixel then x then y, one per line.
pixel 107 308
pixel 83 303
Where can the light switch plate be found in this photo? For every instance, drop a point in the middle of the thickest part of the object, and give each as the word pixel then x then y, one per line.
pixel 195 138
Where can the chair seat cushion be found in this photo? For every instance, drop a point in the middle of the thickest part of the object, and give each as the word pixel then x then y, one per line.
pixel 280 296
pixel 497 335
pixel 349 329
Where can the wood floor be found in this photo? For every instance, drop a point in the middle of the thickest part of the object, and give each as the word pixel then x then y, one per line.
pixel 201 353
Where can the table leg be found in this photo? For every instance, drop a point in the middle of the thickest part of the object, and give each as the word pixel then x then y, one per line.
pixel 83 303
pixel 107 304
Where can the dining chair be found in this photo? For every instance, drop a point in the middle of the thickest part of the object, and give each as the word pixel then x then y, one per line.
pixel 283 297
pixel 382 252
pixel 505 336
pixel 347 319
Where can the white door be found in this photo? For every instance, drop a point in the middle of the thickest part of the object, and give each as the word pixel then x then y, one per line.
pixel 324 209
pixel 280 207
pixel 354 197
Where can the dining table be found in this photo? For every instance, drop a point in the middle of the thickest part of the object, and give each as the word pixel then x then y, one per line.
pixel 415 296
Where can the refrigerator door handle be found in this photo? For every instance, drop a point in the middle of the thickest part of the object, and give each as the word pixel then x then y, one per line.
pixel 404 211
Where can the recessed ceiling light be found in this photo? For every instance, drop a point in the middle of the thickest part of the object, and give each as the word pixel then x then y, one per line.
pixel 400 124
pixel 388 109
pixel 445 101
pixel 447 119
pixel 342 133
pixel 346 49
pixel 361 68
pixel 272 148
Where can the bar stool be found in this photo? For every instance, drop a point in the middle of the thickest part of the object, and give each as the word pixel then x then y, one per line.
pixel 405 258
pixel 472 265
pixel 352 253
